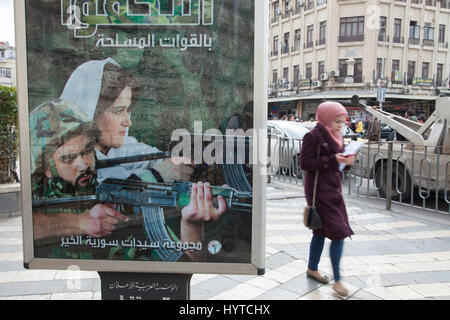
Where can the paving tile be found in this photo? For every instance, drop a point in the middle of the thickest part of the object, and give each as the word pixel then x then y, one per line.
pixel 72 296
pixel 399 279
pixel 34 275
pixel 31 287
pixel 404 292
pixel 317 295
pixel 263 283
pixel 30 297
pixel 301 285
pixel 364 295
pixel 7 276
pixel 278 294
pixel 243 291
pixel 212 287
pixel 383 293
pixel 278 259
pixel 432 289
pixel 278 276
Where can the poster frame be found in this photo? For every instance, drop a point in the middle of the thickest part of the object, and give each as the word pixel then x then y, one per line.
pixel 257 260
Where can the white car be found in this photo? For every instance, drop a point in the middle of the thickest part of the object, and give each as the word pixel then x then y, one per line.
pixel 346 131
pixel 285 145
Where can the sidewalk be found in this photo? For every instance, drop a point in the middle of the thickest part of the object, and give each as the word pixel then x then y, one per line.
pixel 398 254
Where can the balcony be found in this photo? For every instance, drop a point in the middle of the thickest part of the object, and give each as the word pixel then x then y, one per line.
pixel 275 18
pixel 287 13
pixel 344 79
pixel 428 43
pixel 308 45
pixel 443 45
pixel 285 49
pixel 351 38
pixel 382 37
pixel 398 39
pixel 321 42
pixel 274 53
pixel 295 48
pixel 414 41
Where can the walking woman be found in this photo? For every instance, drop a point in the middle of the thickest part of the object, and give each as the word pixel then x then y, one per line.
pixel 325 141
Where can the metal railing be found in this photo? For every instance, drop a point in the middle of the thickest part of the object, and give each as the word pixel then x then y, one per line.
pixel 394 171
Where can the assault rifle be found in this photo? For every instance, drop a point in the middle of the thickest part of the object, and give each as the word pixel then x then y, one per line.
pixel 150 198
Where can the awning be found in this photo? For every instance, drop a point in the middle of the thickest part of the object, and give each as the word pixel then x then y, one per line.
pixel 330 95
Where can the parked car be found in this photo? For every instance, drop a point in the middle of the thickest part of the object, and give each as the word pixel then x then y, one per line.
pixel 385 130
pixel 285 143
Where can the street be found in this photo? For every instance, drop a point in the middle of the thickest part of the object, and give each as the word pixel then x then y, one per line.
pixel 398 254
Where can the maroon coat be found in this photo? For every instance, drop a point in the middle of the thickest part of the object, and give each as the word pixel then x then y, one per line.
pixel 329 201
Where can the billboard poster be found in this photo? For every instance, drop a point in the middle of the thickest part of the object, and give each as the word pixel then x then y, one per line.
pixel 140 118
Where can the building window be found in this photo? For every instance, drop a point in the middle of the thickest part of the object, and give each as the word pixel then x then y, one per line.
pixel 411 71
pixel 351 29
pixel 5 72
pixel 441 36
pixel 439 73
pixel 414 33
pixel 444 3
pixel 297 38
pixel 396 76
pixel 308 71
pixel 428 35
pixel 425 70
pixel 342 68
pixel 275 46
pixel 380 67
pixel 276 12
pixel 2 53
pixel 323 33
pixel 309 36
pixel 382 30
pixel 287 8
pixel 309 5
pixel 320 68
pixel 285 45
pixel 358 71
pixel 285 75
pixel 275 76
pixel 296 75
pixel 398 30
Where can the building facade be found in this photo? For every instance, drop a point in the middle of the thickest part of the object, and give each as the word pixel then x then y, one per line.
pixel 335 49
pixel 7 65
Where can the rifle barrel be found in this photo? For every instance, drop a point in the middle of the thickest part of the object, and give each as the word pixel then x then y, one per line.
pixel 105 163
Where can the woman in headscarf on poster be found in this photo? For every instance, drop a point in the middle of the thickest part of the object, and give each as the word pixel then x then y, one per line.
pixel 107 94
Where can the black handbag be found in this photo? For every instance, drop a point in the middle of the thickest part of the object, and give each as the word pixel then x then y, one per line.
pixel 311 217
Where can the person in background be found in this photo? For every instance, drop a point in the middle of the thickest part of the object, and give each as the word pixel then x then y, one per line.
pixel 421 119
pixel 326 136
pixel 359 128
pixel 410 115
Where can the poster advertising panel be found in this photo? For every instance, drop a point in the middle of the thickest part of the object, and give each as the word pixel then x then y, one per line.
pixel 139 121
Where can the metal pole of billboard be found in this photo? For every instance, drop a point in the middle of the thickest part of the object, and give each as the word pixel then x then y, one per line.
pixel 144 286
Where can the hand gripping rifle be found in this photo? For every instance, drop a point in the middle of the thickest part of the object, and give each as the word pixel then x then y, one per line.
pixel 150 199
